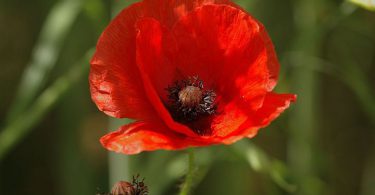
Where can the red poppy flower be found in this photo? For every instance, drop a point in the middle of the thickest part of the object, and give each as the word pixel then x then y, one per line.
pixel 190 72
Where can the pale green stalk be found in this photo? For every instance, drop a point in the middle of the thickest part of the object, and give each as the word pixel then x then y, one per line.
pixel 188 183
pixel 303 122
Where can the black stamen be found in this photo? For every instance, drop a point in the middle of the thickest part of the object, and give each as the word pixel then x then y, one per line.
pixel 190 102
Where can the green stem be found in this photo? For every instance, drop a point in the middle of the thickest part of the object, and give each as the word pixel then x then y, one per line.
pixel 303 122
pixel 118 163
pixel 187 185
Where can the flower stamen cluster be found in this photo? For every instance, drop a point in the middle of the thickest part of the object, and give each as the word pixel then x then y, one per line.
pixel 189 101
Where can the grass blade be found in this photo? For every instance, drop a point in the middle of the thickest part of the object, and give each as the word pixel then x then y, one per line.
pixel 23 124
pixel 45 54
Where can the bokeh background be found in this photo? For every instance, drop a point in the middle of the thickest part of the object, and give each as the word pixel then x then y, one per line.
pixel 323 145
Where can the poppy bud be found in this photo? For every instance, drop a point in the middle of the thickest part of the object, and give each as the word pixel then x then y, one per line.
pixel 137 187
pixel 123 188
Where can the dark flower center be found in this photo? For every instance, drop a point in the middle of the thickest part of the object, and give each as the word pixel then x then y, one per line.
pixel 190 103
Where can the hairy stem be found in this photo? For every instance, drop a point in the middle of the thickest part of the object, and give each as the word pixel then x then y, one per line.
pixel 187 185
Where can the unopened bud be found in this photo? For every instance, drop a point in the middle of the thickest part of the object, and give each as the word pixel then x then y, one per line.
pixel 123 188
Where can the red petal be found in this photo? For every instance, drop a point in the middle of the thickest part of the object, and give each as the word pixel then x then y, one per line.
pixel 229 50
pixel 230 118
pixel 151 55
pixel 167 12
pixel 274 104
pixel 115 82
pixel 149 59
pixel 140 136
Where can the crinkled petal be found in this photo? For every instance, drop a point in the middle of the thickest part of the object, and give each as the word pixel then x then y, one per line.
pixel 232 53
pixel 169 11
pixel 149 59
pixel 230 118
pixel 151 54
pixel 115 82
pixel 142 136
pixel 229 50
pixel 274 104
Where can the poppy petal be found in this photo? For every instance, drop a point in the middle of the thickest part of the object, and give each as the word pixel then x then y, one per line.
pixel 274 105
pixel 151 55
pixel 149 59
pixel 115 83
pixel 169 11
pixel 141 136
pixel 229 50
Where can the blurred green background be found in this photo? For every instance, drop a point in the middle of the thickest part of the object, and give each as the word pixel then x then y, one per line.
pixel 323 145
